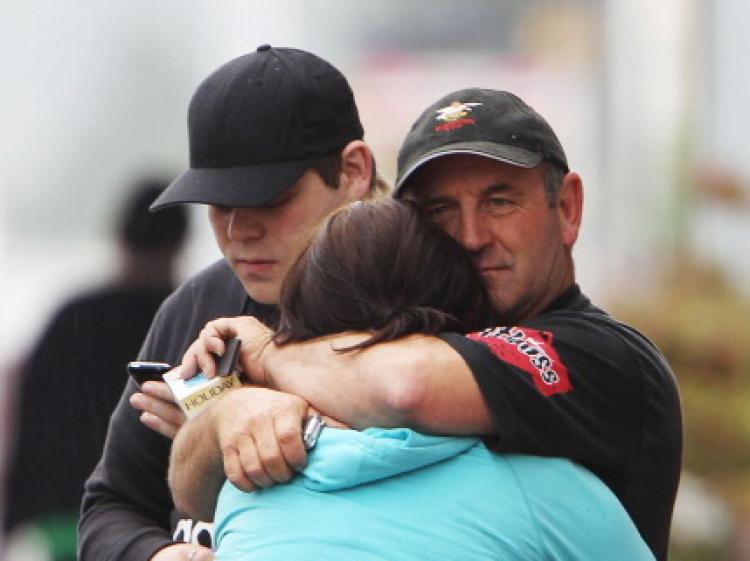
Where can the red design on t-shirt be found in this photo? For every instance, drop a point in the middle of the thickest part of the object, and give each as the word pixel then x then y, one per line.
pixel 531 351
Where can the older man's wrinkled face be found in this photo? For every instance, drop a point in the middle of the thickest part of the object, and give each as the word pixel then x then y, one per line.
pixel 500 213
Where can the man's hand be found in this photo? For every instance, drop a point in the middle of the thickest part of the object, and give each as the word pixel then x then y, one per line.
pixel 183 552
pixel 159 411
pixel 251 435
pixel 256 341
pixel 259 433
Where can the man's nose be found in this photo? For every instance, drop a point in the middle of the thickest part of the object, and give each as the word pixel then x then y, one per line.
pixel 245 224
pixel 474 233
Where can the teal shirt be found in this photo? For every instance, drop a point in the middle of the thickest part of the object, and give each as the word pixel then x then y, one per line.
pixel 396 494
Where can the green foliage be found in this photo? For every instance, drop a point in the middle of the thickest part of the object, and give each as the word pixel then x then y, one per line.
pixel 702 325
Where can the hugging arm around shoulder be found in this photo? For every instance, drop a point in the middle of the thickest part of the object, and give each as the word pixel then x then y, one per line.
pixel 417 381
pixel 571 383
pixel 575 383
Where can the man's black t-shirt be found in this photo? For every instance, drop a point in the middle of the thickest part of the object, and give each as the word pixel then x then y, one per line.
pixel 573 382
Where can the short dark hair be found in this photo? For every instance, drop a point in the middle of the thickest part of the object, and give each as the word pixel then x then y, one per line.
pixel 141 230
pixel 383 267
pixel 329 168
pixel 553 177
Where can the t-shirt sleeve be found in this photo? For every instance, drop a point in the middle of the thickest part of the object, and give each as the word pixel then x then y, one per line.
pixel 559 387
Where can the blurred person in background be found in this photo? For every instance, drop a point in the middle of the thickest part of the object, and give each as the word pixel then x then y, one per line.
pixel 275 145
pixel 554 376
pixel 71 380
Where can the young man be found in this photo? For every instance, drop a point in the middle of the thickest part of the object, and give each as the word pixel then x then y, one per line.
pixel 275 144
pixel 556 377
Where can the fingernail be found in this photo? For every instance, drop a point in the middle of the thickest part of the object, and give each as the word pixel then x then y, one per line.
pixel 136 401
pixel 149 419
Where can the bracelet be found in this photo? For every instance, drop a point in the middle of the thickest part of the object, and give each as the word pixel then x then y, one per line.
pixel 311 430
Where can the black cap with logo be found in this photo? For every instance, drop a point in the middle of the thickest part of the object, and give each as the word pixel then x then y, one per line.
pixel 258 123
pixel 489 123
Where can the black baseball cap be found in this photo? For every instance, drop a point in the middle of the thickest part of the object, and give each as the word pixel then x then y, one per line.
pixel 483 122
pixel 258 123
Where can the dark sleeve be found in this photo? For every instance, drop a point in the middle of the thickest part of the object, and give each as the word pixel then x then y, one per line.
pixel 27 493
pixel 565 388
pixel 126 508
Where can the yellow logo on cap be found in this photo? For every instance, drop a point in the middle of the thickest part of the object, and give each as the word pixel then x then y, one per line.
pixel 454 116
pixel 456 110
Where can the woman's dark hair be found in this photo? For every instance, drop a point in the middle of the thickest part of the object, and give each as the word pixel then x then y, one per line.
pixel 380 266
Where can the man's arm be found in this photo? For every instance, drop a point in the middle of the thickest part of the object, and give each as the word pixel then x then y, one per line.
pixel 196 471
pixel 252 435
pixel 417 381
pixel 126 508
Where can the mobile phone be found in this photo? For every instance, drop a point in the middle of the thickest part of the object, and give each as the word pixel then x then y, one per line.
pixel 143 371
pixel 227 363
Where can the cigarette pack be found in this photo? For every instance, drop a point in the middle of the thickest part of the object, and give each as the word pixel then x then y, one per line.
pixel 195 393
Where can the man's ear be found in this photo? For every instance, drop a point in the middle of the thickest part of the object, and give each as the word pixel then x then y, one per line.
pixel 356 170
pixel 570 208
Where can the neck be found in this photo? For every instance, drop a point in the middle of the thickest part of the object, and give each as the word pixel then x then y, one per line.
pixel 558 284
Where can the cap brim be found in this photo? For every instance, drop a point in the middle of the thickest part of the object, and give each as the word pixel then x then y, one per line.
pixel 231 187
pixel 512 155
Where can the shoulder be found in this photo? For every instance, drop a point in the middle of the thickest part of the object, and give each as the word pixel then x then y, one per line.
pixel 589 331
pixel 575 340
pixel 209 294
pixel 349 458
pixel 213 290
pixel 578 331
pixel 575 514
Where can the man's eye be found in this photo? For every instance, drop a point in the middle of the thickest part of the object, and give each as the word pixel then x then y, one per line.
pixel 498 202
pixel 438 210
pixel 498 205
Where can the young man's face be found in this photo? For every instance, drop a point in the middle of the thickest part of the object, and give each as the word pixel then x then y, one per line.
pixel 261 243
pixel 501 215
